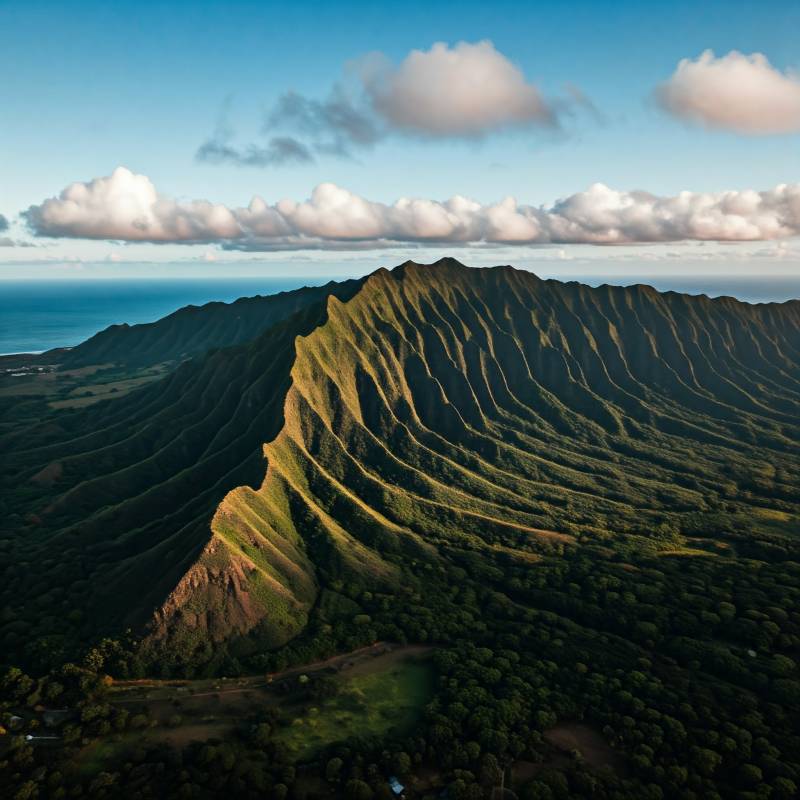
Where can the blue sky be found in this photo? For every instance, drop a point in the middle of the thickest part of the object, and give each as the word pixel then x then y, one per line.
pixel 92 86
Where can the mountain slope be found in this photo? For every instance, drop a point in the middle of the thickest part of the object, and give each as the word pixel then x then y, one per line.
pixel 124 492
pixel 436 412
pixel 456 406
pixel 193 330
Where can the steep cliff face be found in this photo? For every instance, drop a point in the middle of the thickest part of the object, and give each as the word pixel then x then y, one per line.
pixel 438 409
pixel 243 578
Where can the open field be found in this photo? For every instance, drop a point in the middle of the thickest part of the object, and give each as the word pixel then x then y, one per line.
pixel 374 699
pixel 75 388
pixel 43 381
pixel 381 688
pixel 90 393
pixel 566 739
pixel 593 748
pixel 375 656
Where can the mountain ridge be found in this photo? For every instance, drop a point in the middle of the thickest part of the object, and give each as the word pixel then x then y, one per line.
pixel 286 478
pixel 434 411
pixel 192 330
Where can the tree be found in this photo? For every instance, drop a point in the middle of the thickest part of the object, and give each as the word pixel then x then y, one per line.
pixel 27 791
pixel 280 791
pixel 705 760
pixel 557 782
pixel 491 772
pixel 401 763
pixel 536 790
pixel 324 688
pixel 261 734
pixel 105 780
pixel 784 788
pixel 356 789
pixel 333 769
pixel 750 775
pixel 94 660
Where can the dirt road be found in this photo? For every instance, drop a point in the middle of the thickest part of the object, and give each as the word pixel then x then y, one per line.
pixel 258 682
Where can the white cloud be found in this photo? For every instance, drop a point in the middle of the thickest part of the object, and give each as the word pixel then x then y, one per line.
pixel 738 92
pixel 465 90
pixel 127 207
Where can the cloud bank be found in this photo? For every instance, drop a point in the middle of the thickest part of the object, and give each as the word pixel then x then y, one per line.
pixel 738 92
pixel 4 224
pixel 127 207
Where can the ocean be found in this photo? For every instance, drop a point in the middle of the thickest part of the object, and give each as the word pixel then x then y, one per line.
pixel 37 315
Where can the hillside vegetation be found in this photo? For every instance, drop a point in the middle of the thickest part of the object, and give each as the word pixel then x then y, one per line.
pixel 433 412
pixel 585 501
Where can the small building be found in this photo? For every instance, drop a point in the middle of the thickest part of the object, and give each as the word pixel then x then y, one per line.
pixel 396 787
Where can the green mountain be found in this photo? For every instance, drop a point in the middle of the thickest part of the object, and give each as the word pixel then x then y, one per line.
pixel 194 330
pixel 432 417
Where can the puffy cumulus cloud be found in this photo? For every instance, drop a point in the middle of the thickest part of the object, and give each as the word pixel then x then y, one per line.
pixel 466 90
pixel 125 206
pixel 602 215
pixel 738 92
pixel 4 224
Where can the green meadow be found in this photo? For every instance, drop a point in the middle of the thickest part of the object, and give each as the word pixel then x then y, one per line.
pixel 370 705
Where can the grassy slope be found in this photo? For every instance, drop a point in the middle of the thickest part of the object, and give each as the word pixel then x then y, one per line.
pixel 461 406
